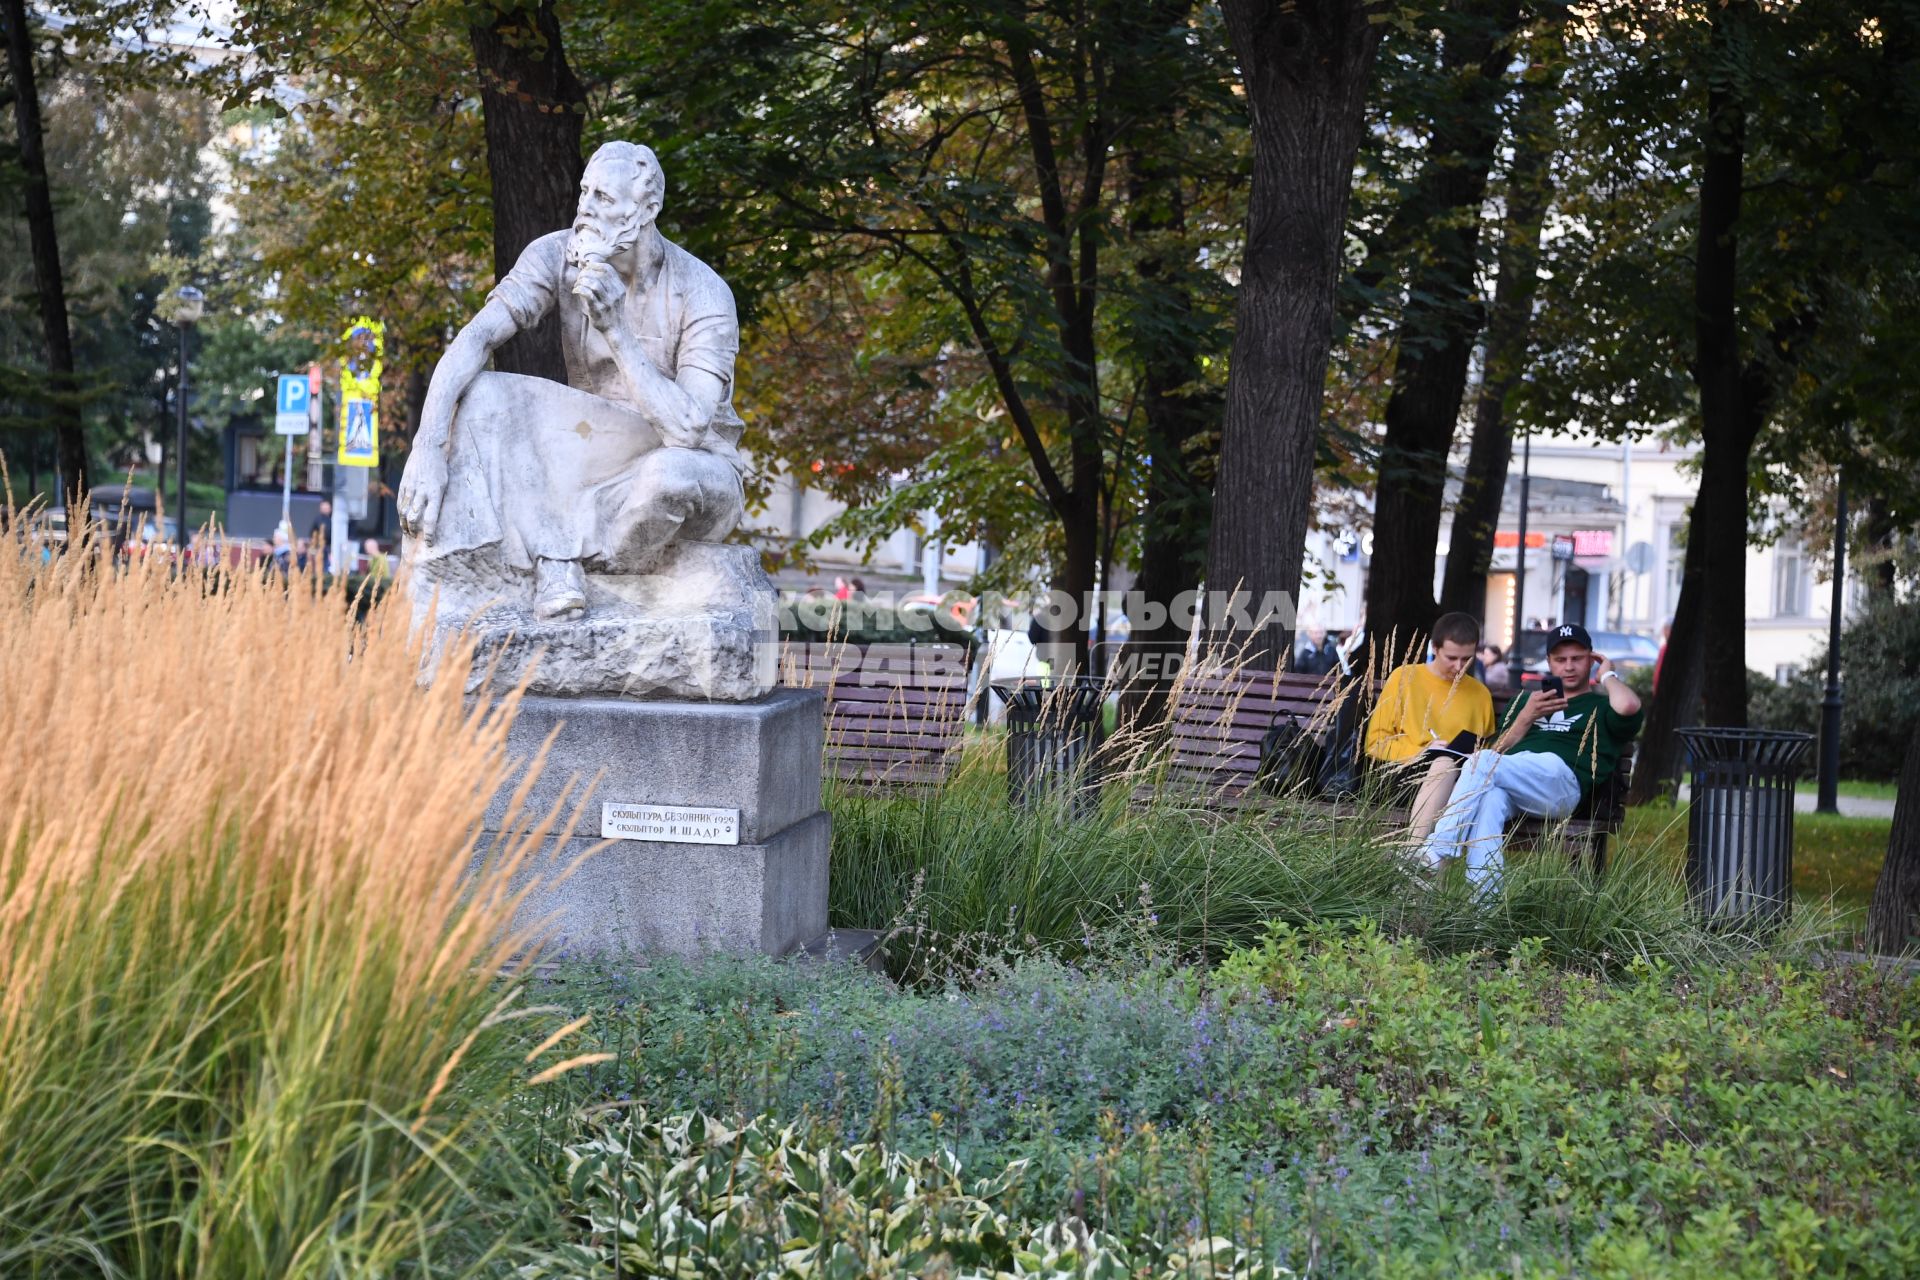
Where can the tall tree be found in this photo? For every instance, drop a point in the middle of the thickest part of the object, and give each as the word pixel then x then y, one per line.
pixel 1304 64
pixel 376 196
pixel 1735 398
pixel 1172 333
pixel 1528 192
pixel 1440 317
pixel 430 128
pixel 49 283
pixel 1727 234
pixel 535 111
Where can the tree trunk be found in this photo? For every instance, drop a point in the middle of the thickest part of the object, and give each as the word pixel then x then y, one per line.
pixel 1439 323
pixel 1305 65
pixel 1716 548
pixel 1706 654
pixel 1173 550
pixel 1076 578
pixel 1728 409
pixel 48 282
pixel 1893 920
pixel 1476 518
pixel 534 109
pixel 1676 704
pixel 1167 344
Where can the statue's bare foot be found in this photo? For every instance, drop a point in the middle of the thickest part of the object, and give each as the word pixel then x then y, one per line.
pixel 559 590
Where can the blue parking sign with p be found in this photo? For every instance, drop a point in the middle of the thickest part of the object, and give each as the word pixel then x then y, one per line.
pixel 290 405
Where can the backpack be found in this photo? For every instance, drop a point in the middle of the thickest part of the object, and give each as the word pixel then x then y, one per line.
pixel 1290 758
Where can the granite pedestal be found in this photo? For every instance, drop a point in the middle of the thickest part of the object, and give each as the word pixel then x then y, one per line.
pixel 723 841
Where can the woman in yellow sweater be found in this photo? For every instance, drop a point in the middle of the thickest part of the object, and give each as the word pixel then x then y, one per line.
pixel 1425 705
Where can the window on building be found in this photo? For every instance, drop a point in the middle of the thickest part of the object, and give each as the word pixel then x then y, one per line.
pixel 1789 579
pixel 1784 672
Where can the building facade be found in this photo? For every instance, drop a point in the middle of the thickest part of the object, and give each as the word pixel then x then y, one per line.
pixel 1606 545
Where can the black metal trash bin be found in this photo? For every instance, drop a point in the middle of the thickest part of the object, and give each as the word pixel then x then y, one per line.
pixel 1740 825
pixel 1053 738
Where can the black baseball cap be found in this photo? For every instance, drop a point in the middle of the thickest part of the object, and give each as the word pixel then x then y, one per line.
pixel 1568 633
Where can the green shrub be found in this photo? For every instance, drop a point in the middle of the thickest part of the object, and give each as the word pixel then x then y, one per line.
pixel 1880 671
pixel 1333 1100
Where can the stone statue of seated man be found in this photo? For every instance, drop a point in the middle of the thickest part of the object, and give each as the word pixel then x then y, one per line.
pixel 529 505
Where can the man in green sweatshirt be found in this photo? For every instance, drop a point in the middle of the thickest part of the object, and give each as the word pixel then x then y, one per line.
pixel 1552 751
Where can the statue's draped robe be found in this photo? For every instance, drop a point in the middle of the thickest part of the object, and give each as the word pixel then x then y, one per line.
pixel 551 472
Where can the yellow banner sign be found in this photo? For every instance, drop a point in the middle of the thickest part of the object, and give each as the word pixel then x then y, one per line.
pixel 360 393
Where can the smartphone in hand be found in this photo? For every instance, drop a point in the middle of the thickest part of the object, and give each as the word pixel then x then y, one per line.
pixel 1551 685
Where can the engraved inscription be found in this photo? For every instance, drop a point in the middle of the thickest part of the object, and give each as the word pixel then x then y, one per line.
pixel 679 824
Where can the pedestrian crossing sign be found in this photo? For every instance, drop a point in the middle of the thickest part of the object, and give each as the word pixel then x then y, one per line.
pixel 359 433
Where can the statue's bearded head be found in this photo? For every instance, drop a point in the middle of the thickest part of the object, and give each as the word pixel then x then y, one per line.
pixel 620 195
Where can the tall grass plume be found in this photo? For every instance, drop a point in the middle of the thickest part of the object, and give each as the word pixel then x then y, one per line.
pixel 251 935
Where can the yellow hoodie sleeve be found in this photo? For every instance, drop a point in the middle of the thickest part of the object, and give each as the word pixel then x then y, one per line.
pixel 1388 735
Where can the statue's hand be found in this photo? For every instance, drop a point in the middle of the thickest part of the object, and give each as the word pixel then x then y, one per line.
pixel 602 289
pixel 422 486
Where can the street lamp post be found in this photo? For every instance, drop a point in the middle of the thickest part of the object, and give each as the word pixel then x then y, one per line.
pixel 1829 800
pixel 189 305
pixel 1520 552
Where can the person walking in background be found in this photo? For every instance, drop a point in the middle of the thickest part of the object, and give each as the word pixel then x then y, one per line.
pixel 1427 713
pixel 1494 663
pixel 317 535
pixel 1318 655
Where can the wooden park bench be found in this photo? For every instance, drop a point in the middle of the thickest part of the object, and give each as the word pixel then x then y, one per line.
pixel 1219 722
pixel 895 712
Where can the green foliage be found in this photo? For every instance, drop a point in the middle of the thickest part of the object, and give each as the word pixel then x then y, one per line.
pixel 130 196
pixel 1880 676
pixel 1326 1099
pixel 955 870
pixel 375 197
pixel 1826 272
pixel 959 231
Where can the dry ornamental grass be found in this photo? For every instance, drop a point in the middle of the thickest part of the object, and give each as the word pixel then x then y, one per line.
pixel 250 940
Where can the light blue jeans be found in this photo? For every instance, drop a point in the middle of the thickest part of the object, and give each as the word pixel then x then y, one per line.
pixel 1490 790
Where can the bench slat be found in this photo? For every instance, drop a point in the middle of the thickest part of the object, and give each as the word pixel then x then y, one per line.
pixel 911 695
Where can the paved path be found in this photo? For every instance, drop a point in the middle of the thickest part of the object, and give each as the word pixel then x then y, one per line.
pixel 1806 798
pixel 1850 806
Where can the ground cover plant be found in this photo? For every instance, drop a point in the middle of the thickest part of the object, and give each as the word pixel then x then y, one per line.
pixel 1329 1100
pixel 252 1017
